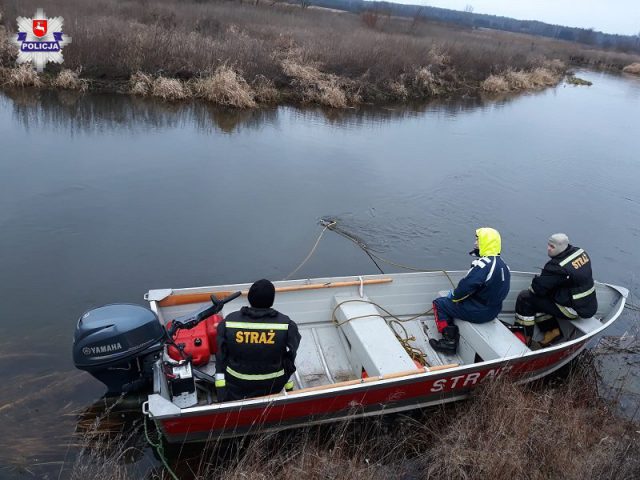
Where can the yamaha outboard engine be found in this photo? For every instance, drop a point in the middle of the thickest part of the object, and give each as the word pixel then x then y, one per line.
pixel 118 345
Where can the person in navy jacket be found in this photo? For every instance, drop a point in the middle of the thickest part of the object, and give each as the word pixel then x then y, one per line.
pixel 479 295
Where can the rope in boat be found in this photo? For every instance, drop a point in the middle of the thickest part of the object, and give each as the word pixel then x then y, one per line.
pixel 414 352
pixel 159 448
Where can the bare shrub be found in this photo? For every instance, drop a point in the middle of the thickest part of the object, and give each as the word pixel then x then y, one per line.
pixel 495 84
pixel 140 83
pixel 169 89
pixel 632 68
pixel 70 80
pixel 24 76
pixel 398 89
pixel 225 87
pixel 425 82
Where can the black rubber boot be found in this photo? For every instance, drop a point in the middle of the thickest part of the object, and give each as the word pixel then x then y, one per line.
pixel 449 341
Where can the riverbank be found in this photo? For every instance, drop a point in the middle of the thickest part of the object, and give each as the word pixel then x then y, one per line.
pixel 561 429
pixel 245 56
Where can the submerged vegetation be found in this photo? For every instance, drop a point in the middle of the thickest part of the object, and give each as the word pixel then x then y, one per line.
pixel 561 429
pixel 242 55
pixel 573 80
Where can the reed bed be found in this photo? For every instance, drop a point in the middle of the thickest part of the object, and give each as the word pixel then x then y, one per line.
pixel 632 68
pixel 244 55
pixel 562 429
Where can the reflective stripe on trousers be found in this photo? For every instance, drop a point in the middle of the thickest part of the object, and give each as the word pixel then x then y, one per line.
pixel 578 296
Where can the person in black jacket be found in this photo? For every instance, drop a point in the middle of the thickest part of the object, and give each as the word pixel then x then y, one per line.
pixel 256 348
pixel 564 289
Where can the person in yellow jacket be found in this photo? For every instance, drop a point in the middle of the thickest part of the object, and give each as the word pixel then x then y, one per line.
pixel 479 295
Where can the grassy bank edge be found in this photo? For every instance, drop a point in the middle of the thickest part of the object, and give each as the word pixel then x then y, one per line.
pixel 308 86
pixel 554 429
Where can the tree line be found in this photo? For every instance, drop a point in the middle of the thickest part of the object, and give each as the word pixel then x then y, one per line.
pixel 467 18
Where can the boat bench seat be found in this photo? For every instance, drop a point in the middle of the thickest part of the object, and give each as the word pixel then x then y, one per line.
pixel 371 344
pixel 586 325
pixel 491 340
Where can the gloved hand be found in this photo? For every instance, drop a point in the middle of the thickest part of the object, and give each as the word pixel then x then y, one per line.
pixel 450 294
pixel 475 252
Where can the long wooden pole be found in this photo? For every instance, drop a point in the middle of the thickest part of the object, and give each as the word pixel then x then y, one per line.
pixel 183 299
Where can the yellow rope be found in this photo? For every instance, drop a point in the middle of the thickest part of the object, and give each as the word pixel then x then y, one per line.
pixel 414 352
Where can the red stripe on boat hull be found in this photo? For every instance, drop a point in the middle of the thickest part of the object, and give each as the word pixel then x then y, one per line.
pixel 404 393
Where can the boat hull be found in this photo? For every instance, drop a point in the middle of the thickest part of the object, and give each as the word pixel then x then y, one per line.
pixel 327 355
pixel 360 400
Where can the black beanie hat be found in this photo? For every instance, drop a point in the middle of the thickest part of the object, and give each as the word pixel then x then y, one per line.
pixel 261 294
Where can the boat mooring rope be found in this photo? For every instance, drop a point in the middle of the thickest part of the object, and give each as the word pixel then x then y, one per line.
pixel 632 307
pixel 159 448
pixel 313 249
pixel 332 224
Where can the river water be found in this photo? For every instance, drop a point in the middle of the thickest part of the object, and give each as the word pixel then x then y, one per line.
pixel 103 197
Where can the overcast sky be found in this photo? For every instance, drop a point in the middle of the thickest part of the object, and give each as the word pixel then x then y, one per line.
pixel 610 16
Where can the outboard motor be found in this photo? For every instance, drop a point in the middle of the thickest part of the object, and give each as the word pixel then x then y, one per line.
pixel 118 345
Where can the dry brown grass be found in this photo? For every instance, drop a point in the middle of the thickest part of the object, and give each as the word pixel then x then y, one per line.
pixel 140 83
pixel 516 81
pixel 265 91
pixel 513 432
pixel 313 85
pixel 226 87
pixel 632 68
pixel 69 80
pixel 24 76
pixel 504 432
pixel 425 82
pixel 495 84
pixel 7 51
pixel 169 89
pixel 543 77
pixel 310 56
